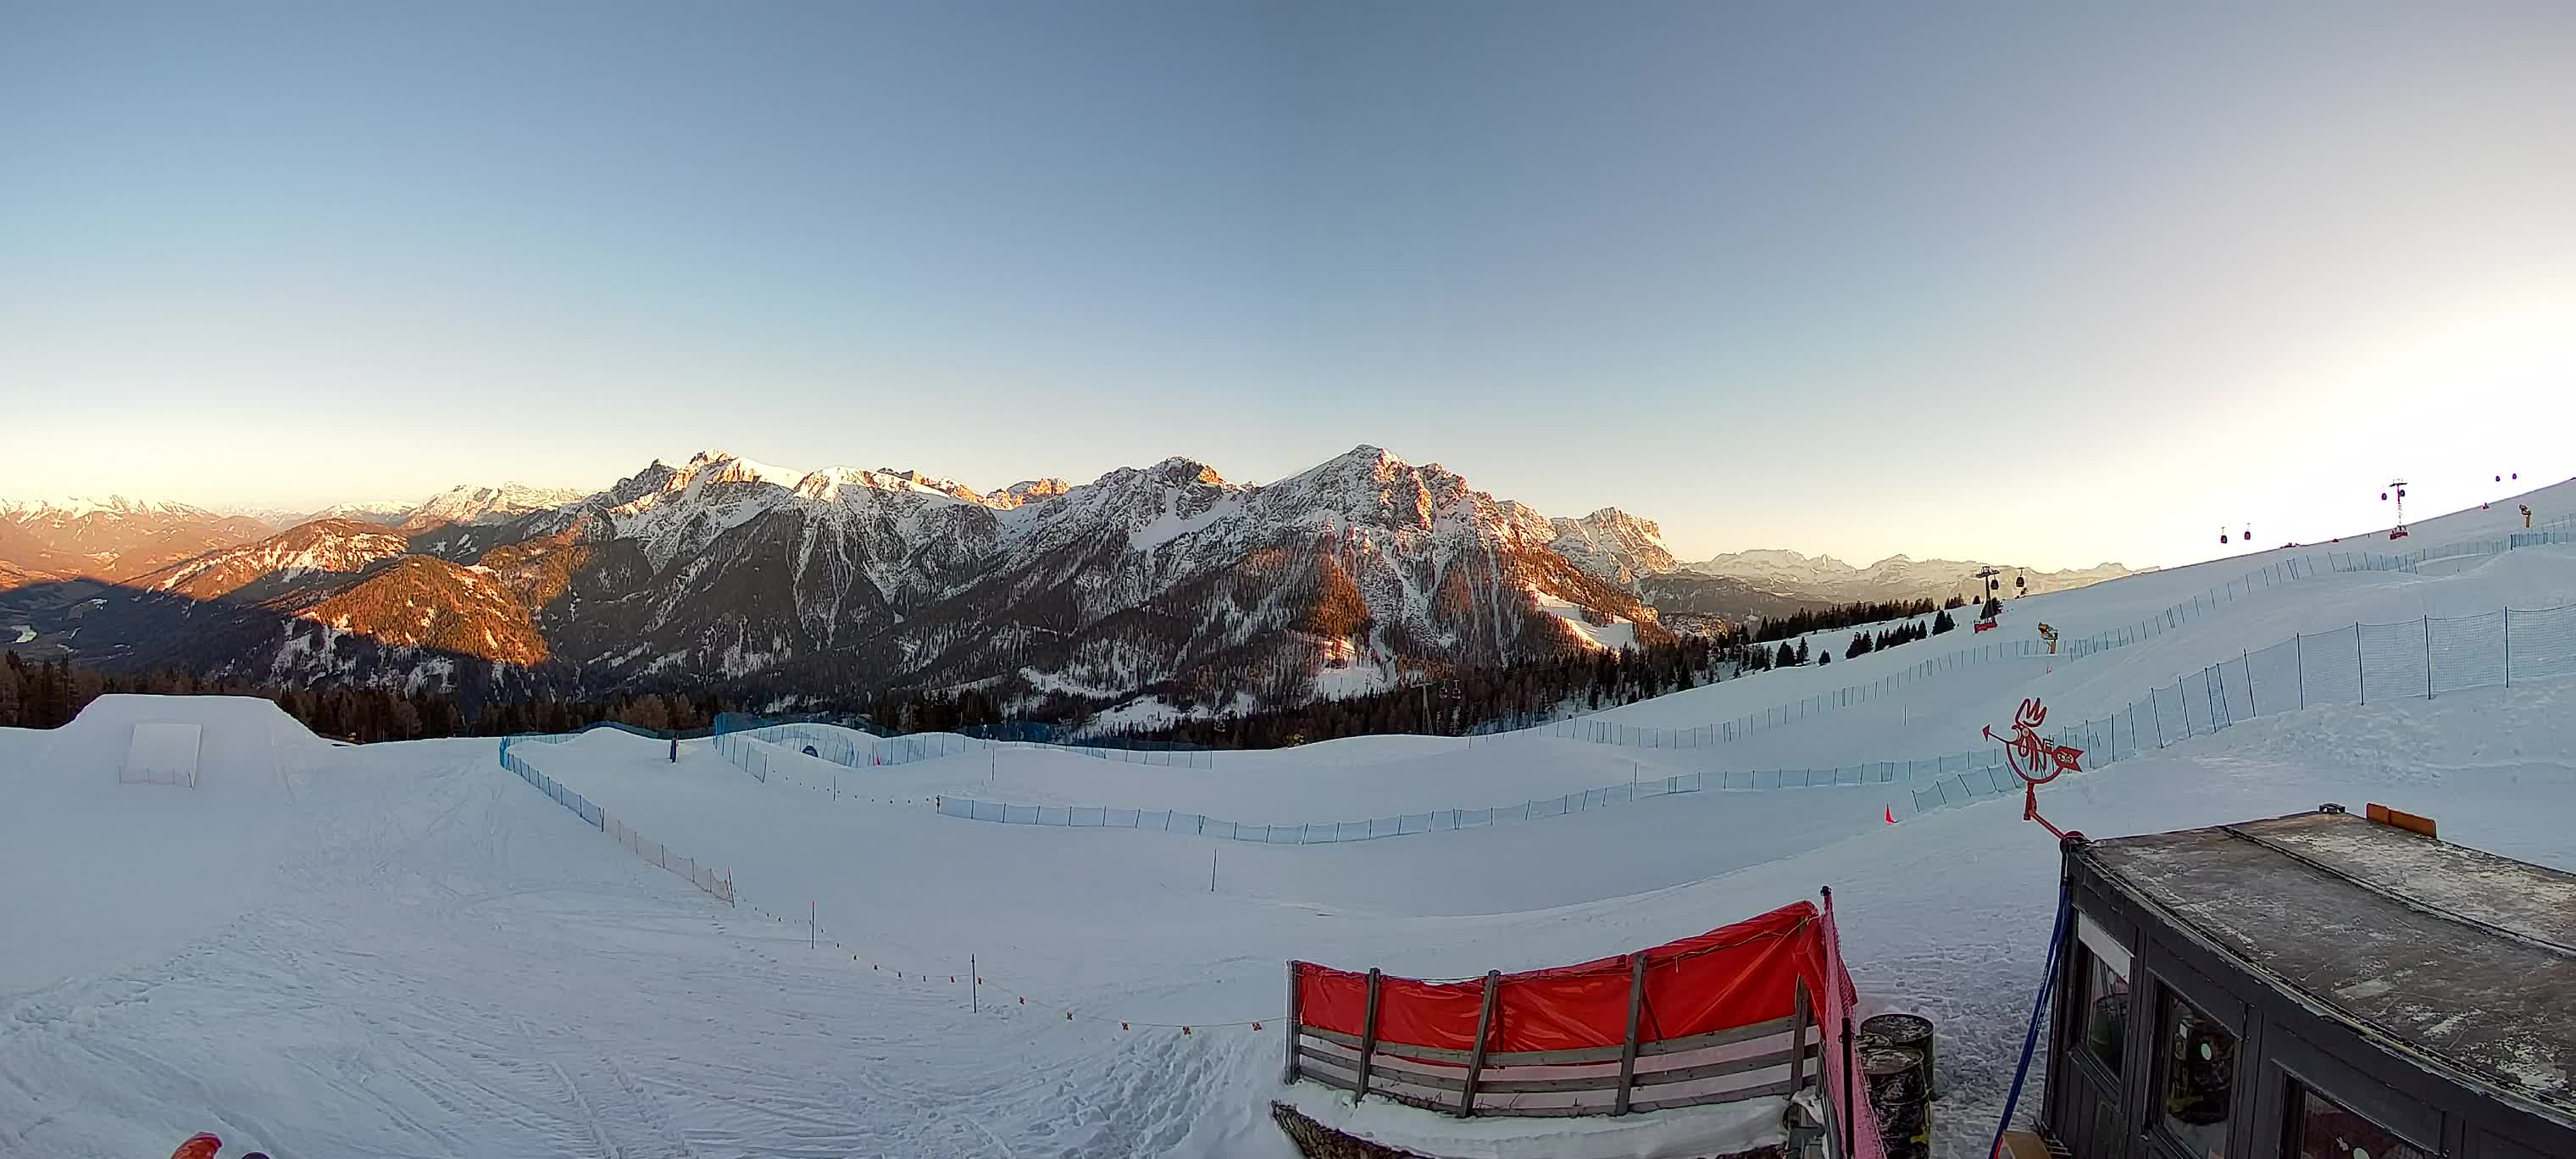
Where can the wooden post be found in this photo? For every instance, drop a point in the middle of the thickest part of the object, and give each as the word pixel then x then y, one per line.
pixel 1851 1093
pixel 1636 1009
pixel 1824 1099
pixel 1797 1044
pixel 1484 1031
pixel 1368 1034
pixel 1289 1075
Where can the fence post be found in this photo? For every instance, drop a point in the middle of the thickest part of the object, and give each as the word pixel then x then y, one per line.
pixel 1368 1038
pixel 1289 1075
pixel 1636 1010
pixel 1797 1047
pixel 2299 656
pixel 1851 1096
pixel 2508 646
pixel 2361 674
pixel 1484 1028
pixel 2155 705
pixel 2252 707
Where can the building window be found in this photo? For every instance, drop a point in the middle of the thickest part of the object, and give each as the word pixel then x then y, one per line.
pixel 2197 1074
pixel 2102 1010
pixel 2321 1128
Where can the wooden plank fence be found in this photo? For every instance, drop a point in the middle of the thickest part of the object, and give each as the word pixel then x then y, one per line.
pixel 1770 1058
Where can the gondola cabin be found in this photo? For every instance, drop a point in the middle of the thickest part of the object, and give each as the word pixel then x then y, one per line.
pixel 2317 986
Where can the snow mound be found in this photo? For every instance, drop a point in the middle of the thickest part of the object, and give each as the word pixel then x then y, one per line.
pixel 155 866
pixel 243 744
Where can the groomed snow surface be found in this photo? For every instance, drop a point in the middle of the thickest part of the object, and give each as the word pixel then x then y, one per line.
pixel 403 950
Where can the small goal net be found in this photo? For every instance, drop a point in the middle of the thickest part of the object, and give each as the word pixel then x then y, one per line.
pixel 162 753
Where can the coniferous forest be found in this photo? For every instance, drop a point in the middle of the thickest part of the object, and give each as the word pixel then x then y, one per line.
pixel 48 694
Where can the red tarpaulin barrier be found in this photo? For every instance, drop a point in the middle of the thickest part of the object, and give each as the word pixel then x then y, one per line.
pixel 1845 1090
pixel 1734 976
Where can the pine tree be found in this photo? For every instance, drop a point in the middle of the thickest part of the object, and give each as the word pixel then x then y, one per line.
pixel 1859 644
pixel 1785 658
pixel 53 697
pixel 1824 656
pixel 1802 652
pixel 1943 623
pixel 1994 607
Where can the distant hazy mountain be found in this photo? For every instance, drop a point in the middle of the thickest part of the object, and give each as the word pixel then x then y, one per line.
pixel 478 505
pixel 111 539
pixel 1823 578
pixel 464 503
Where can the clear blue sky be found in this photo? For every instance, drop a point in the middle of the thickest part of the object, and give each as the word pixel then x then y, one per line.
pixel 2046 283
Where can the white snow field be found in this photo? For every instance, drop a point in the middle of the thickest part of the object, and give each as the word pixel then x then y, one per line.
pixel 403 950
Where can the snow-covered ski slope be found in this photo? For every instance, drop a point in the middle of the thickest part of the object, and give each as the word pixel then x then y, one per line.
pixel 404 950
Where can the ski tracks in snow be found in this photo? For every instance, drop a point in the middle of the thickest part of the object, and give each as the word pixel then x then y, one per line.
pixel 454 966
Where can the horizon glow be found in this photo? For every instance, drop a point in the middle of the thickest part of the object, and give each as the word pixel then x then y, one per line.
pixel 2050 288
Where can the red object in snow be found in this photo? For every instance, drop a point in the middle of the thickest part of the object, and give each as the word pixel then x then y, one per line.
pixel 1733 976
pixel 1985 625
pixel 2031 756
pixel 199 1146
pixel 1891 814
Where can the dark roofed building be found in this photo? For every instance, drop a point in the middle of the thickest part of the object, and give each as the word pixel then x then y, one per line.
pixel 2317 986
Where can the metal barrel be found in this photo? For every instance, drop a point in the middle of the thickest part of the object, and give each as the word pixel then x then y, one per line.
pixel 1898 1098
pixel 1907 1032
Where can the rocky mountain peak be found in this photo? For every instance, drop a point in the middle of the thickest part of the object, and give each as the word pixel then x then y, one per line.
pixel 1185 471
pixel 1025 492
pixel 1612 545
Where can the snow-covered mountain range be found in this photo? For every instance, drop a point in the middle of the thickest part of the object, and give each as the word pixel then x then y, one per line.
pixel 114 538
pixel 464 503
pixel 1362 572
pixel 1824 578
pixel 722 571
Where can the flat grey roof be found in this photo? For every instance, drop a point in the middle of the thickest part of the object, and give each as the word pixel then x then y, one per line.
pixel 2459 954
